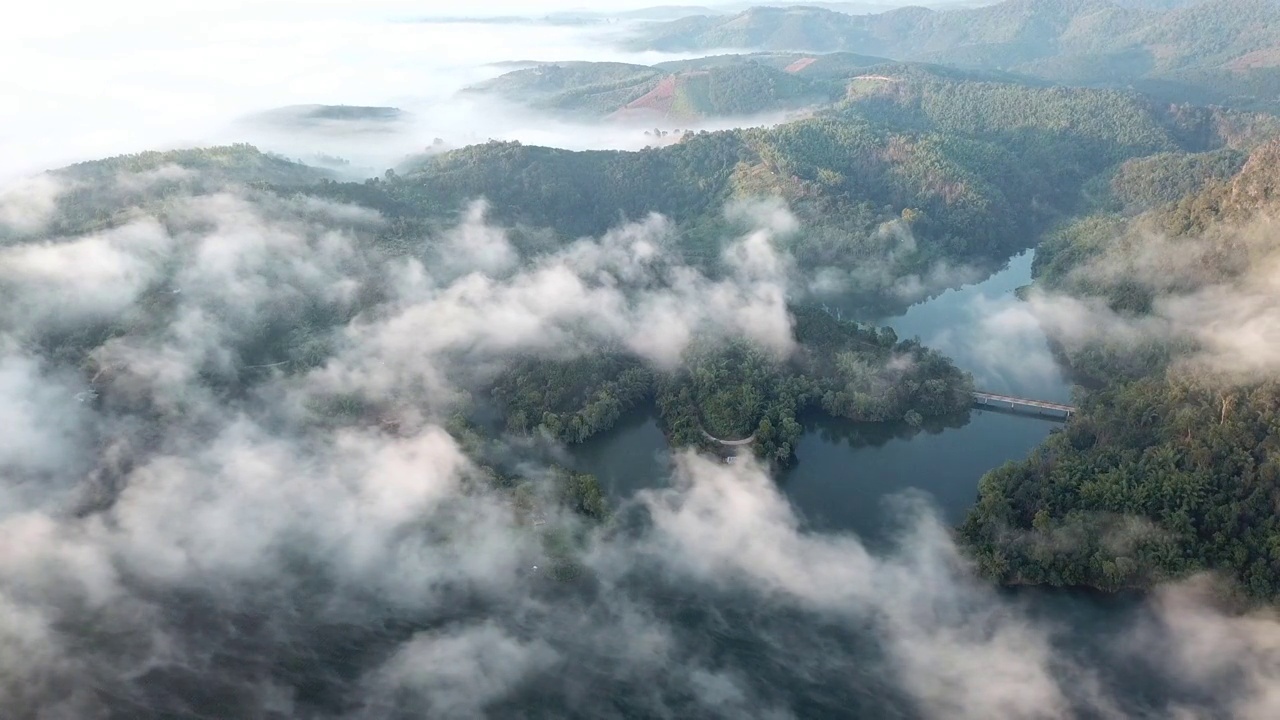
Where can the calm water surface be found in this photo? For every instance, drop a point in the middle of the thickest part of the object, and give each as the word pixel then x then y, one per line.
pixel 844 471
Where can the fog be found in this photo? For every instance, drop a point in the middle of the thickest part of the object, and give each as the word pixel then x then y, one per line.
pixel 188 528
pixel 1211 294
pixel 88 80
pixel 187 531
pixel 159 75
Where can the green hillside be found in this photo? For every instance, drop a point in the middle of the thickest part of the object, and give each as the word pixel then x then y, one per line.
pixel 1212 51
pixel 1171 467
pixel 99 189
pixel 685 90
pixel 734 391
pixel 1165 471
pixel 304 115
pixel 907 171
pixel 587 87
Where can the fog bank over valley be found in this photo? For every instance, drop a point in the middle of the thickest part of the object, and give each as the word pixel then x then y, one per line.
pixel 82 97
pixel 356 366
pixel 239 509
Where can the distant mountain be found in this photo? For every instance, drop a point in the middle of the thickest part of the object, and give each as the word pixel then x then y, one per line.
pixel 730 85
pixel 658 12
pixel 1224 51
pixel 761 28
pixel 975 165
pixel 367 117
pixel 576 17
pixel 830 66
pixel 851 8
pixel 596 88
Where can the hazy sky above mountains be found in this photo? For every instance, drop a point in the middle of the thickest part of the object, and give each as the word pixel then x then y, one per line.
pixel 94 80
pixel 163 76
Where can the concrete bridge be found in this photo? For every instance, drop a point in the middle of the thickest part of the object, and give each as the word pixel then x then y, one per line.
pixel 728 443
pixel 998 400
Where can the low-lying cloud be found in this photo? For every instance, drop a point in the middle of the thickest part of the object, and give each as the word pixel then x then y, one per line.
pixel 27 204
pixel 187 532
pixel 174 88
pixel 1214 294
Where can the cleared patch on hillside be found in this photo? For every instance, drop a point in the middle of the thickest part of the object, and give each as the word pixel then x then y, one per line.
pixel 800 64
pixel 1265 58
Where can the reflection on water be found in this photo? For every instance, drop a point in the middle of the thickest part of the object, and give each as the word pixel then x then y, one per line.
pixel 986 330
pixel 844 471
pixel 843 480
pixel 632 456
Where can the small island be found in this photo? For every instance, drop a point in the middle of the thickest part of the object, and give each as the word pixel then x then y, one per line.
pixel 725 393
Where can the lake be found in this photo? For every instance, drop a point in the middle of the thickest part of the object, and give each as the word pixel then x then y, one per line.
pixel 842 481
pixel 843 470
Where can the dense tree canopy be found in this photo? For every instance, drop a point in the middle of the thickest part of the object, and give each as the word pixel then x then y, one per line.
pixel 1164 471
pixel 734 391
pixel 1172 464
pixel 928 167
pixel 683 90
pixel 1206 51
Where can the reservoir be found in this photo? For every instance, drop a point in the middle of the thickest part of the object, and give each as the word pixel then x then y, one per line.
pixel 844 471
pixel 844 482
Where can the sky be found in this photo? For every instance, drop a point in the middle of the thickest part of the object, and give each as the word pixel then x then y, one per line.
pixel 158 75
pixel 91 79
pixel 172 75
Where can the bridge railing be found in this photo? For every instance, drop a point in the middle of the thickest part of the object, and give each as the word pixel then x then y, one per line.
pixel 988 398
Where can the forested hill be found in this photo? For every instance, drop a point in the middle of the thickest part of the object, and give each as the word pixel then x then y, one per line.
pixel 1173 464
pixel 723 86
pixel 907 176
pixel 732 390
pixel 1225 51
pixel 346 116
pixel 907 173
pixel 94 193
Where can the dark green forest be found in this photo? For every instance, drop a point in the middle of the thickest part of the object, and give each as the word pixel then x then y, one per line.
pixel 1171 467
pixel 678 91
pixel 931 166
pixel 735 391
pixel 908 364
pixel 1167 469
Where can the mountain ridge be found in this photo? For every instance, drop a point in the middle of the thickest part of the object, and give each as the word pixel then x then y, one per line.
pixel 1225 51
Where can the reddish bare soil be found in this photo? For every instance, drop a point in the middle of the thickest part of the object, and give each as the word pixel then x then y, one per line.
pixel 799 65
pixel 1270 57
pixel 654 104
pixel 658 99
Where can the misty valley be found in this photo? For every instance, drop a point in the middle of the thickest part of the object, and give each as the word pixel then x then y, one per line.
pixel 526 361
